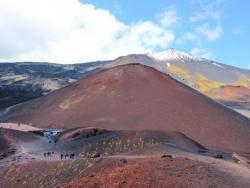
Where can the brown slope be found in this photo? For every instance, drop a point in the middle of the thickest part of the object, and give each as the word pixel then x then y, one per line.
pixel 138 97
pixel 158 172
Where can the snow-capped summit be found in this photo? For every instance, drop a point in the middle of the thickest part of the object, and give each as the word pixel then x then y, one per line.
pixel 172 54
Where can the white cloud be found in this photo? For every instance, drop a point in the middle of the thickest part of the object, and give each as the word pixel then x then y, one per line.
pixel 188 37
pixel 201 35
pixel 211 33
pixel 208 14
pixel 169 16
pixel 142 37
pixel 206 21
pixel 69 31
pixel 200 52
pixel 208 10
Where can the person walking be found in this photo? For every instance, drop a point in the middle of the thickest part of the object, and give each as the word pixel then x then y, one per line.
pixel 66 155
pixel 61 156
pixel 72 156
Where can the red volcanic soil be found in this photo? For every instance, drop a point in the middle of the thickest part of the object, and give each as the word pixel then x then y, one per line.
pixel 122 172
pixel 137 97
pixel 156 172
pixel 233 93
pixel 126 172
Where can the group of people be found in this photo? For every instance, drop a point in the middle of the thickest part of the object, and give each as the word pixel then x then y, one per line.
pixel 48 154
pixel 65 156
pixel 62 156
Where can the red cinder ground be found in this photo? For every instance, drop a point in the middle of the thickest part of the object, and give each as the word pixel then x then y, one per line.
pixel 157 172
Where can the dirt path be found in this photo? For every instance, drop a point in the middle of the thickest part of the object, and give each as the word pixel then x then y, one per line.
pixel 31 151
pixel 34 150
pixel 19 127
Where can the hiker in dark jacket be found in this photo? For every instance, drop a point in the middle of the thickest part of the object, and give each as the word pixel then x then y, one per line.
pixel 44 154
pixel 61 156
pixel 72 156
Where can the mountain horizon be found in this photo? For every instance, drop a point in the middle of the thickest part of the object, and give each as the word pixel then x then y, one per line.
pixel 209 77
pixel 155 54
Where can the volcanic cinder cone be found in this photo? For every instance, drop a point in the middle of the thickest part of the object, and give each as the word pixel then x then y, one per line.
pixel 137 97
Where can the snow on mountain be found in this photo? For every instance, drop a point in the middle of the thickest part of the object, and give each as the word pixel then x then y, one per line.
pixel 175 55
pixel 220 66
pixel 172 54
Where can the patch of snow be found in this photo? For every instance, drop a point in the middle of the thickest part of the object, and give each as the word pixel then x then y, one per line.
pixel 218 65
pixel 172 54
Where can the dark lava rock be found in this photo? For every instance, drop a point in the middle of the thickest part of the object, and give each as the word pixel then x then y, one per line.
pixel 218 156
pixel 94 155
pixel 124 161
pixel 167 156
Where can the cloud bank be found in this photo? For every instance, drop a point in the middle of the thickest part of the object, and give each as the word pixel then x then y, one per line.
pixel 69 31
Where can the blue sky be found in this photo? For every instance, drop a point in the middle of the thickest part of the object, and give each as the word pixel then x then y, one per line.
pixel 70 31
pixel 232 47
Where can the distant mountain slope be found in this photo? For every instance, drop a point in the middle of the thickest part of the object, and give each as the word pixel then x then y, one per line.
pixel 137 97
pixel 23 81
pixel 208 77
pixel 20 82
pixel 226 84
